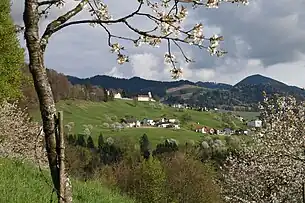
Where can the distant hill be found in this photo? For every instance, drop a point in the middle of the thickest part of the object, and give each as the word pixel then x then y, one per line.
pixel 259 80
pixel 243 96
pixel 135 85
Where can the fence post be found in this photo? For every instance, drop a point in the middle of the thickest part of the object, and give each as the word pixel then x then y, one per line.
pixel 303 192
pixel 61 159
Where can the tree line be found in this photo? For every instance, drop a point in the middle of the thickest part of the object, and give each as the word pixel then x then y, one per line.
pixel 62 89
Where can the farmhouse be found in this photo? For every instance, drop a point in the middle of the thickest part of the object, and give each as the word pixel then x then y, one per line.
pixel 201 129
pixel 131 122
pixel 206 130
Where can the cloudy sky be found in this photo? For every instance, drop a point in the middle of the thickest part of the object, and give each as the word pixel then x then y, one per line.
pixel 265 37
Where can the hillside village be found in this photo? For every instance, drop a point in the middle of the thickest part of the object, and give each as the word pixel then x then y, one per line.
pixel 174 123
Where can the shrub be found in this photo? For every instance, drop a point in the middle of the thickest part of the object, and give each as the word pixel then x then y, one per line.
pixel 80 161
pixel 105 125
pixel 114 118
pixel 107 118
pixel 188 180
pixel 145 181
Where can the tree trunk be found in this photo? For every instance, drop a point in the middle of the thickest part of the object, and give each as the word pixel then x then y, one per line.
pixel 42 87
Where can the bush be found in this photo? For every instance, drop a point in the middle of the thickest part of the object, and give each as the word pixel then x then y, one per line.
pixel 145 181
pixel 105 125
pixel 81 162
pixel 114 118
pixel 188 180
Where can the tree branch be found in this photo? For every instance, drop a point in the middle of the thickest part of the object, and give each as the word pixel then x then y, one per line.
pixel 48 2
pixel 61 22
pixel 52 27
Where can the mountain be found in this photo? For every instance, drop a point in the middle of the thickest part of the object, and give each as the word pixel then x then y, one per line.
pixel 259 80
pixel 262 83
pixel 244 95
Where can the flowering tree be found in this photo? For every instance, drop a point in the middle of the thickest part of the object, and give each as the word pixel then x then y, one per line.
pixel 167 16
pixel 19 136
pixel 272 169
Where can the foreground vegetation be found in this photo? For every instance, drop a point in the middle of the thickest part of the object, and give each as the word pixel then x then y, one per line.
pixel 24 183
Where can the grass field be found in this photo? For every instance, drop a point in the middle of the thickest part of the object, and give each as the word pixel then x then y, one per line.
pixel 156 135
pixel 248 115
pixel 96 114
pixel 23 183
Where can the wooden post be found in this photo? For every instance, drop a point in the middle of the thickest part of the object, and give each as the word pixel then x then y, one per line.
pixel 304 192
pixel 65 197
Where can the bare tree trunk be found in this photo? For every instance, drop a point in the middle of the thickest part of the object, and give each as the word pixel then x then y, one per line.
pixel 42 87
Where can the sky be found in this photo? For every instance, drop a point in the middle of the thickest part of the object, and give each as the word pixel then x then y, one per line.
pixel 266 37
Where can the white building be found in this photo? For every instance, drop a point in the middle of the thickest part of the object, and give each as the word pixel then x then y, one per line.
pixel 150 122
pixel 163 125
pixel 172 120
pixel 147 97
pixel 134 124
pixel 255 123
pixel 117 96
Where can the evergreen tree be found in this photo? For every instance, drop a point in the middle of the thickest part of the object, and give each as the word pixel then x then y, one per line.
pixel 11 56
pixel 145 146
pixel 81 140
pixel 101 141
pixel 90 143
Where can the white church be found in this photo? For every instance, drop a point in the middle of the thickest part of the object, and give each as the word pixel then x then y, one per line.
pixel 147 97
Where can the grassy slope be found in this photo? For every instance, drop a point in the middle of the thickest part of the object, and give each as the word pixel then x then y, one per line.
pixel 23 183
pixel 97 113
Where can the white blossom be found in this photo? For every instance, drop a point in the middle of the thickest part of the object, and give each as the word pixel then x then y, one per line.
pixel 272 168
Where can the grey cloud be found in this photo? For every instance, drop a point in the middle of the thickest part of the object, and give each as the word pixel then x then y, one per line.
pixel 274 29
